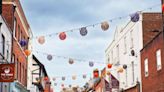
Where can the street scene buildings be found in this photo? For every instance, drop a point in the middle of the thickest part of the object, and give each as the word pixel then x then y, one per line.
pixel 134 58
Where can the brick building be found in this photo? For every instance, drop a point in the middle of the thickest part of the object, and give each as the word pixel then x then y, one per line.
pixel 152 65
pixel 15 17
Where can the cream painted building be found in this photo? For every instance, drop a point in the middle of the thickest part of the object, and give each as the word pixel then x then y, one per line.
pixel 126 45
pixel 126 39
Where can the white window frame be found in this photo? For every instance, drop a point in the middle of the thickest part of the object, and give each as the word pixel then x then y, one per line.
pixel 118 54
pixel 158 59
pixel 131 39
pixel 15 26
pixel 125 45
pixel 146 63
pixel 108 58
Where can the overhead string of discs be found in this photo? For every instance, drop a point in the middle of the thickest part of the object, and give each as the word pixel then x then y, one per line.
pixel 71 60
pixel 134 17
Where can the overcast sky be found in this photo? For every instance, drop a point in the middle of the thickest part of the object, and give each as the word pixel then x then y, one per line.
pixel 52 16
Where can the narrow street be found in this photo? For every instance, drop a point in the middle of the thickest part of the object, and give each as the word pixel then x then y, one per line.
pixel 81 46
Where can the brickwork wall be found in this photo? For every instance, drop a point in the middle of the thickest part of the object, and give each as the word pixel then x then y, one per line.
pixel 151 22
pixel 154 82
pixel 20 33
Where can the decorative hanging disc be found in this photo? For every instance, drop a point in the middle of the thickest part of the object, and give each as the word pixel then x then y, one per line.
pixel 63 78
pixel 162 7
pixel 23 43
pixel 96 74
pixel 84 76
pixel 71 61
pixel 20 59
pixel 91 64
pixel 46 78
pixel 125 66
pixel 54 79
pixel 120 70
pixel 109 66
pixel 49 57
pixel 27 52
pixel 108 73
pixel 104 25
pixel 83 31
pixel 41 40
pixel 135 17
pixel 74 77
pixel 62 36
pixel 55 84
pixel 62 85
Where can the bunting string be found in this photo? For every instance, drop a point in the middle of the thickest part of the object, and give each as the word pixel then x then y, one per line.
pixel 72 60
pixel 101 23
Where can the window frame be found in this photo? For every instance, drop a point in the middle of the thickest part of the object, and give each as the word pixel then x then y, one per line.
pixel 146 68
pixel 158 59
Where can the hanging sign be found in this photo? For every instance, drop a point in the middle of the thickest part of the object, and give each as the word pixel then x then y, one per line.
pixel 7 72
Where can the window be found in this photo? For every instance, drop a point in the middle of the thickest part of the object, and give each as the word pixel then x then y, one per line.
pixel 125 45
pixel 7 55
pixel 112 56
pixel 133 72
pixel 131 38
pixel 13 58
pixel 15 25
pixel 3 45
pixel 126 76
pixel 5 89
pixel 158 58
pixel 20 35
pixel 108 59
pixel 17 67
pixel 18 32
pixel 146 67
pixel 117 53
pixel 20 70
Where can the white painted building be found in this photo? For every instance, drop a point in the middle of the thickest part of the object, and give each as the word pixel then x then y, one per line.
pixel 5 49
pixel 118 53
pixel 132 38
